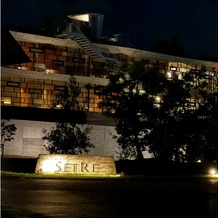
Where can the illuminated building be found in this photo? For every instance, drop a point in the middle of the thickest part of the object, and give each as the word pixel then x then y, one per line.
pixel 34 84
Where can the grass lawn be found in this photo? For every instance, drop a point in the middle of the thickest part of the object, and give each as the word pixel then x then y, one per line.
pixel 126 169
pixel 114 177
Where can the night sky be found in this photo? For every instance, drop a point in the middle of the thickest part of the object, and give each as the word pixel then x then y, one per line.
pixel 141 22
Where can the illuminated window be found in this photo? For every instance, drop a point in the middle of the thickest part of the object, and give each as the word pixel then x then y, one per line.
pixel 6 100
pixel 169 75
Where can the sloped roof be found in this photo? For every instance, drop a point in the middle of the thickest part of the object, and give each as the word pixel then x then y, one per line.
pixel 11 51
pixel 131 52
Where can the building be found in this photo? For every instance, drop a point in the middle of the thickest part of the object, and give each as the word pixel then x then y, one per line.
pixel 75 51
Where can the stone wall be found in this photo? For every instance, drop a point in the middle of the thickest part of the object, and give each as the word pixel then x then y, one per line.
pixel 28 140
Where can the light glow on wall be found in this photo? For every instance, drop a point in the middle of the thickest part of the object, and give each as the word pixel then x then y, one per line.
pixel 50 166
pixel 6 100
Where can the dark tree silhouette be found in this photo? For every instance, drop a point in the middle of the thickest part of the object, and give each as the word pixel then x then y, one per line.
pixel 154 113
pixel 68 138
pixel 7 133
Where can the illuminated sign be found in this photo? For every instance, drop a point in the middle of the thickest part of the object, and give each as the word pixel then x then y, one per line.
pixel 75 164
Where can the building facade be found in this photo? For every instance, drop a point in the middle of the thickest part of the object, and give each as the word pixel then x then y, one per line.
pixel 53 59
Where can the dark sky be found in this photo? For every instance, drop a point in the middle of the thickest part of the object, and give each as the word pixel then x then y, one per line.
pixel 142 22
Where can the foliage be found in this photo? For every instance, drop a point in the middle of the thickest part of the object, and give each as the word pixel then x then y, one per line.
pixel 66 98
pixel 124 101
pixel 68 138
pixel 153 113
pixel 206 127
pixel 7 131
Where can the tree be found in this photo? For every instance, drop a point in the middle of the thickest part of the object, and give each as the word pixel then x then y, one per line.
pixel 7 132
pixel 68 138
pixel 154 113
pixel 205 129
pixel 66 98
pixel 200 135
pixel 211 107
pixel 125 101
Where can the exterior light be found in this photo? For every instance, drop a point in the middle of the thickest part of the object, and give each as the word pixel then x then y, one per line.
pixel 158 99
pixel 173 68
pixel 19 67
pixel 169 75
pixel 6 100
pixel 80 17
pixel 180 76
pixel 212 171
pixel 142 92
pixel 58 106
pixel 50 166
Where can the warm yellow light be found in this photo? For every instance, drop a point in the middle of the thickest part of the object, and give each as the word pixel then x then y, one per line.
pixel 157 98
pixel 80 17
pixel 212 171
pixel 50 166
pixel 169 75
pixel 180 76
pixel 75 164
pixel 58 106
pixel 6 100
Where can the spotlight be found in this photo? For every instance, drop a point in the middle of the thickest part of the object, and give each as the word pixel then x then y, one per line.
pixel 212 171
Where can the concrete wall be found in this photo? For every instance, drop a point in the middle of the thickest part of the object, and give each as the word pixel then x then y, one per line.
pixel 28 139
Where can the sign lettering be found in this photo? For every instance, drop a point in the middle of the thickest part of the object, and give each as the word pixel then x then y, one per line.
pixel 75 164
